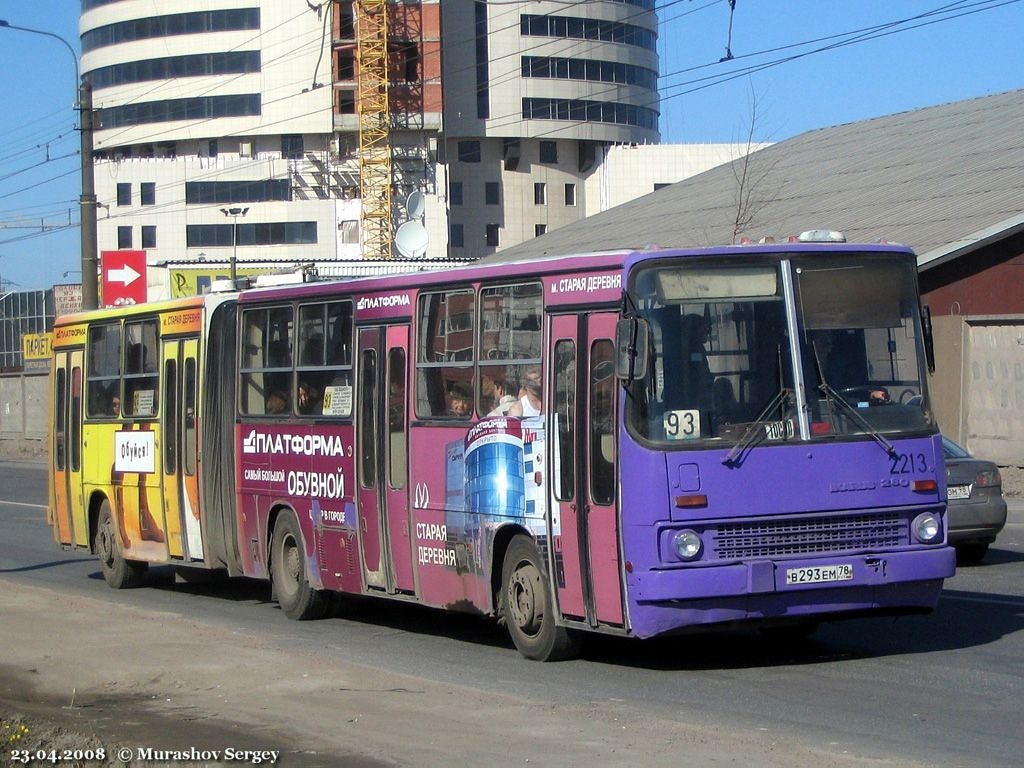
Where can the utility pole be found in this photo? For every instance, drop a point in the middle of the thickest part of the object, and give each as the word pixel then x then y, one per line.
pixel 87 201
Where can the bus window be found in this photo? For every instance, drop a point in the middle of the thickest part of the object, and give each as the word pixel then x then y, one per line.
pixel 444 363
pixel 396 419
pixel 510 346
pixel 190 416
pixel 368 419
pixel 76 419
pixel 324 370
pixel 141 393
pixel 565 420
pixel 60 418
pixel 602 422
pixel 266 361
pixel 104 371
pixel 170 415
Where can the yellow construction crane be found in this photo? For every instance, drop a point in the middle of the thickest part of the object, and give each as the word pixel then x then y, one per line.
pixel 371 18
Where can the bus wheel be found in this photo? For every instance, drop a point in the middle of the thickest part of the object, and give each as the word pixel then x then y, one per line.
pixel 297 598
pixel 118 572
pixel 528 608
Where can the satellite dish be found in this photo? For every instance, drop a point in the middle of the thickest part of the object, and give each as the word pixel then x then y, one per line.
pixel 415 204
pixel 411 240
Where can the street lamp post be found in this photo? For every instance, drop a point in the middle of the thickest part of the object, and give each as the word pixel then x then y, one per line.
pixel 87 199
pixel 234 213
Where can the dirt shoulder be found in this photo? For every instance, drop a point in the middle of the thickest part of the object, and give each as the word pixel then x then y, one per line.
pixel 78 673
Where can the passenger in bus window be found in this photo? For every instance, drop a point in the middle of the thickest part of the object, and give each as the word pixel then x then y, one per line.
pixel 308 398
pixel 115 405
pixel 460 402
pixel 530 392
pixel 277 402
pixel 505 404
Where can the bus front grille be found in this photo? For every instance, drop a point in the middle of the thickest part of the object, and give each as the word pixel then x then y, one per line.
pixel 807 536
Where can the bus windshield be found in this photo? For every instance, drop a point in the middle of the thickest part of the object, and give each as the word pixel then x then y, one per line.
pixel 723 367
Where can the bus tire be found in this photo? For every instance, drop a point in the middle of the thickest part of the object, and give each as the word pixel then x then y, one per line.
pixel 298 600
pixel 528 608
pixel 118 572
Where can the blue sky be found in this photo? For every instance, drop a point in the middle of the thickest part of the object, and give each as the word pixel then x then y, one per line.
pixel 971 48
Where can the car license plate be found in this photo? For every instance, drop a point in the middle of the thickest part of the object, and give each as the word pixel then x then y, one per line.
pixel 820 574
pixel 959 491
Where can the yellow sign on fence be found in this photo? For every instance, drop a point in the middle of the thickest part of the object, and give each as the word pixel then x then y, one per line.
pixel 36 349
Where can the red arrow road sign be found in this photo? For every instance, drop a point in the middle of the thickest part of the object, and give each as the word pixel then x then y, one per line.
pixel 124 277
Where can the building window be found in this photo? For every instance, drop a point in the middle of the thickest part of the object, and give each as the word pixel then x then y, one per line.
pixel 149 27
pixel 211 148
pixel 346 102
pixel 549 152
pixel 540 193
pixel 148 236
pixel 291 146
pixel 147 193
pixel 124 194
pixel 492 193
pixel 246 147
pixel 193 65
pixel 483 57
pixel 124 237
pixel 469 151
pixel 348 232
pixel 595 70
pixel 578 28
pixel 456 236
pixel 215 192
pixel 346 21
pixel 265 233
pixel 406 55
pixel 171 110
pixel 582 110
pixel 492 235
pixel 455 193
pixel 570 194
pixel 347 64
pixel 539 229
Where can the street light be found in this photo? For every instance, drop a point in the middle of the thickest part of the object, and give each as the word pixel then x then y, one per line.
pixel 234 213
pixel 87 199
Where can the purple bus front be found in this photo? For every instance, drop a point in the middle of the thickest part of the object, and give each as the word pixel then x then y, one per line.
pixel 779 456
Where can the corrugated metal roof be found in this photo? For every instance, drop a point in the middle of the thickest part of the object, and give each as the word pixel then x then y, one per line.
pixel 943 180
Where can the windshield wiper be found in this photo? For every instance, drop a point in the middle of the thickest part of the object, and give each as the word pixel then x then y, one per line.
pixel 758 427
pixel 833 397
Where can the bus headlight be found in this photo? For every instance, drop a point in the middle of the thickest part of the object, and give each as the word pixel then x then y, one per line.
pixel 926 528
pixel 688 545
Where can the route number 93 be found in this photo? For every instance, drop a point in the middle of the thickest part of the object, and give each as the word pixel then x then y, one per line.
pixel 682 425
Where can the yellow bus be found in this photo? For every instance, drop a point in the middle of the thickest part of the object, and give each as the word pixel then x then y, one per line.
pixel 125 411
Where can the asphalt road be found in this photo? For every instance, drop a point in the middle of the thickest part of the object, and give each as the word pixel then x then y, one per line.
pixel 944 689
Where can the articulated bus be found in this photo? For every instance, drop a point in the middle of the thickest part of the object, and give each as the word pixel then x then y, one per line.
pixel 632 443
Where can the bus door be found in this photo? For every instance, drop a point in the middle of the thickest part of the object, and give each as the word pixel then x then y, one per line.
pixel 583 398
pixel 66 459
pixel 382 458
pixel 180 449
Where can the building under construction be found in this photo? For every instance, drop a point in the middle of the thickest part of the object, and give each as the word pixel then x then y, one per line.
pixel 261 131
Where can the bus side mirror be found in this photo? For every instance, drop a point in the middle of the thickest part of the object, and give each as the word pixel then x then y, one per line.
pixel 929 342
pixel 631 349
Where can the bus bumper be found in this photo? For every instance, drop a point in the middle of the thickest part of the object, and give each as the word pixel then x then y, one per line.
pixel 664 600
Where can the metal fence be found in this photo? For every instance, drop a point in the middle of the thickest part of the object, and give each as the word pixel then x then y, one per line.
pixel 21 313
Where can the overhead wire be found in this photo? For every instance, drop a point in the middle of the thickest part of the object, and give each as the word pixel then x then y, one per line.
pixel 951 11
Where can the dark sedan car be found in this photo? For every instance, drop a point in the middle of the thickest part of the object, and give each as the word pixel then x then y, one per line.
pixel 977 509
